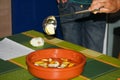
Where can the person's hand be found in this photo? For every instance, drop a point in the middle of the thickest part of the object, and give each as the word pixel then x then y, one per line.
pixel 106 6
pixel 63 1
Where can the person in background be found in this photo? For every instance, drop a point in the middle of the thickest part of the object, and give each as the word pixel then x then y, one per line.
pixel 86 29
pixel 109 6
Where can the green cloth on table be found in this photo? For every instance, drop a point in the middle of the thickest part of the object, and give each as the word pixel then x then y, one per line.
pixel 94 69
pixel 6 67
pixel 20 74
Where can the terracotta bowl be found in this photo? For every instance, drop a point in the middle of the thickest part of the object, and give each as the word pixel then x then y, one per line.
pixel 55 73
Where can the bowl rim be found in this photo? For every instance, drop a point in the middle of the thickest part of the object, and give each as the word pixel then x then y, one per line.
pixel 55 69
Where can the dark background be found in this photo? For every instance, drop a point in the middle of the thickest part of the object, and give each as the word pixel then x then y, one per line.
pixel 29 15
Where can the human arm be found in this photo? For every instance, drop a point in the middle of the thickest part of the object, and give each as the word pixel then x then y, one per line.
pixel 108 6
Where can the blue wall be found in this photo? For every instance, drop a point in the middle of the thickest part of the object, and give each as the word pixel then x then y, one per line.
pixel 29 14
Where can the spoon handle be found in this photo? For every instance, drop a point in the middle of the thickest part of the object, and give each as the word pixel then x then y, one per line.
pixel 79 12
